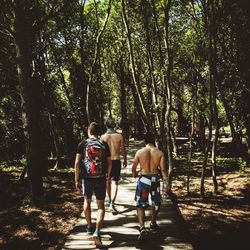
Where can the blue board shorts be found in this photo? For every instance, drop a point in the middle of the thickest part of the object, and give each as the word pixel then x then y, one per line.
pixel 148 184
pixel 94 185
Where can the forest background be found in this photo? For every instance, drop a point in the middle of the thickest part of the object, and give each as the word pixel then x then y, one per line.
pixel 177 68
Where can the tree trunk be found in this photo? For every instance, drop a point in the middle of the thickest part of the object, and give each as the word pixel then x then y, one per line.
pixel 53 135
pixel 145 115
pixel 163 79
pixel 167 81
pixel 212 98
pixel 159 129
pixel 94 65
pixel 82 75
pixel 229 114
pixel 25 25
pixel 213 30
pixel 123 102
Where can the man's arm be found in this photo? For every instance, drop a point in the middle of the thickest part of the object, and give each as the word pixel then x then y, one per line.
pixel 163 167
pixel 124 152
pixel 135 164
pixel 164 174
pixel 77 172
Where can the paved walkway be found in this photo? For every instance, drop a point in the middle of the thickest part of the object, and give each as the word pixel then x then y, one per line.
pixel 120 230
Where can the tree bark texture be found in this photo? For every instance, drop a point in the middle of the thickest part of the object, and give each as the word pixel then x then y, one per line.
pixel 25 25
pixel 144 112
pixel 94 65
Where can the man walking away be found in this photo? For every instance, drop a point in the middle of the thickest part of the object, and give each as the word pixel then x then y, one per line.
pixel 152 164
pixel 117 146
pixel 92 170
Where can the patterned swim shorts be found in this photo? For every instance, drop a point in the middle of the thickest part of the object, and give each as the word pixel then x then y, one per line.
pixel 148 184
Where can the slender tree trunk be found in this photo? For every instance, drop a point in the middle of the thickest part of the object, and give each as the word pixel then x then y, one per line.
pixel 158 34
pixel 211 94
pixel 202 135
pixel 94 65
pixel 53 135
pixel 213 30
pixel 138 112
pixel 124 117
pixel 173 141
pixel 144 112
pixel 213 158
pixel 162 68
pixel 82 73
pixel 168 90
pixel 235 136
pixel 191 142
pixel 156 112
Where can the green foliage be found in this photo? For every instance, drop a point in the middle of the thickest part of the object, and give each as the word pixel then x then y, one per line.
pixel 242 165
pixel 65 48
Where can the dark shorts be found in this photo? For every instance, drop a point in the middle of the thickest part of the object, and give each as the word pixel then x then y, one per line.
pixel 94 185
pixel 116 170
pixel 148 184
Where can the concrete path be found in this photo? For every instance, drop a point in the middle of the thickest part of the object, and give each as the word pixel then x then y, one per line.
pixel 120 230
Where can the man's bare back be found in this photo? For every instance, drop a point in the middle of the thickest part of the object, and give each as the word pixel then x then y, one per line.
pixel 151 160
pixel 116 144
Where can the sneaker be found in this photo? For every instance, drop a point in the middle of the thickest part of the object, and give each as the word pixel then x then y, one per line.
pixel 107 203
pixel 153 226
pixel 112 207
pixel 97 238
pixel 90 230
pixel 142 234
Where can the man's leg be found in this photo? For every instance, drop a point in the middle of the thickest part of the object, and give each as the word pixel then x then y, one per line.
pixel 154 214
pixel 153 224
pixel 116 174
pixel 87 211
pixel 100 214
pixel 99 221
pixel 141 220
pixel 141 216
pixel 114 191
pixel 108 185
pixel 100 190
pixel 156 203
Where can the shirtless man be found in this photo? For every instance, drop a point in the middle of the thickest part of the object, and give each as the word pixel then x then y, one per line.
pixel 116 145
pixel 152 163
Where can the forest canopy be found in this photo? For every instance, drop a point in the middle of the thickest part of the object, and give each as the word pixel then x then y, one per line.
pixel 177 68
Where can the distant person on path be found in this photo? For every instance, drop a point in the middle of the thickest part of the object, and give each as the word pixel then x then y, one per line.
pixel 152 163
pixel 117 146
pixel 92 170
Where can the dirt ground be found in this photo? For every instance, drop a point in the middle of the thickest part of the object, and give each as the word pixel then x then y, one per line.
pixel 220 221
pixel 44 225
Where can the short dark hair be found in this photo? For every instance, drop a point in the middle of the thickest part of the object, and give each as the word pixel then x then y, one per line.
pixel 149 138
pixel 94 128
pixel 110 123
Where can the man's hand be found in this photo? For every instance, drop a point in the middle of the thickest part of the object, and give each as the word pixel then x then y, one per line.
pixel 165 189
pixel 124 164
pixel 135 174
pixel 108 178
pixel 78 185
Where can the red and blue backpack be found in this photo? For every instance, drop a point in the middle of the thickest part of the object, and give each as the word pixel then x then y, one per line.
pixel 94 159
